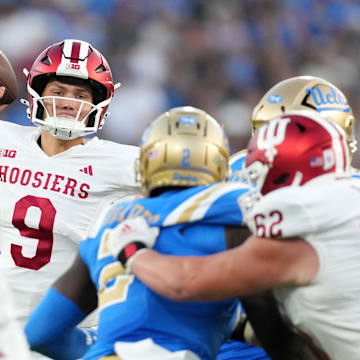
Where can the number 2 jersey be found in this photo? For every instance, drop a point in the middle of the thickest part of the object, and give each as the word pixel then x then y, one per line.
pixel 327 215
pixel 192 223
pixel 47 204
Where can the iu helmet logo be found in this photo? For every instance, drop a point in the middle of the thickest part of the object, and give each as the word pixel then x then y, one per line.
pixel 271 136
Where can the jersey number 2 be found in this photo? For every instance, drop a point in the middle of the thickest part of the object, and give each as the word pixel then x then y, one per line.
pixel 44 233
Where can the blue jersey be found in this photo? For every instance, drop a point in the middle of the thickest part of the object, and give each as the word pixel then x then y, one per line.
pixel 192 223
pixel 215 204
pixel 236 350
pixel 237 163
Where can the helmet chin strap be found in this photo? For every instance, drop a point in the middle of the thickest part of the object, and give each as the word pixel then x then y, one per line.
pixel 63 128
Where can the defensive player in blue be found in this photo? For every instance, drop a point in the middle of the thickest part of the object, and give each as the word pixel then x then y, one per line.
pixel 300 93
pixel 182 168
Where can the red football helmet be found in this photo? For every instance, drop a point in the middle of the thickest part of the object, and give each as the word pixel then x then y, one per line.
pixel 74 62
pixel 295 148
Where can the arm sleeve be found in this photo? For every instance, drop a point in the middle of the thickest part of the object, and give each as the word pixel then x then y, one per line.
pixel 51 328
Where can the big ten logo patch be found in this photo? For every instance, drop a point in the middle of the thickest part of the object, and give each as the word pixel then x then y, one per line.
pixel 7 153
pixel 73 66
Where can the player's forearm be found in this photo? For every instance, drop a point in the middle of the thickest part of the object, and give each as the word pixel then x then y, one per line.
pixel 190 278
pixel 164 274
pixel 259 264
pixel 183 278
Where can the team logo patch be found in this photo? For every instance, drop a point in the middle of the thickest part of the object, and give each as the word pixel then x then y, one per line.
pixel 187 120
pixel 274 99
pixel 178 176
pixel 8 153
pixel 87 170
pixel 331 100
pixel 72 66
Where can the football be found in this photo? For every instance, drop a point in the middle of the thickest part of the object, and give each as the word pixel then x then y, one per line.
pixel 7 79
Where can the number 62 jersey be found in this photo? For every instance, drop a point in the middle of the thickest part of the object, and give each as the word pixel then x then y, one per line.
pixel 326 214
pixel 47 204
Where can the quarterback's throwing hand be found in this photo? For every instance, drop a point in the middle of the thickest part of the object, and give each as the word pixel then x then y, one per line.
pixel 129 238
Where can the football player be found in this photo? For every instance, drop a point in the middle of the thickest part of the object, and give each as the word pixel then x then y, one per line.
pixel 12 340
pixel 300 93
pixel 53 179
pixel 182 153
pixel 304 244
pixel 296 93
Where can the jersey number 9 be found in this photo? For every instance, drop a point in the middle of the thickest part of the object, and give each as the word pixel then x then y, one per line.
pixel 44 234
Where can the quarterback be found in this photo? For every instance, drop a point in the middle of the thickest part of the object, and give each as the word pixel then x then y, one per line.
pixel 53 180
pixel 12 340
pixel 304 244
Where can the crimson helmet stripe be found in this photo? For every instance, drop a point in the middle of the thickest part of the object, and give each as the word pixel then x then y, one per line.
pixel 342 145
pixel 74 60
pixel 75 49
pixel 75 52
pixel 338 144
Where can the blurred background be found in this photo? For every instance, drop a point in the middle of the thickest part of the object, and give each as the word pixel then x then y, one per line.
pixel 221 56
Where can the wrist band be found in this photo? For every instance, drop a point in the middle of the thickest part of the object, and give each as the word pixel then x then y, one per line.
pixel 130 250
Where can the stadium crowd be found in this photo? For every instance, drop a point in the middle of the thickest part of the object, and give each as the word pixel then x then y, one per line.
pixel 219 56
pixel 133 241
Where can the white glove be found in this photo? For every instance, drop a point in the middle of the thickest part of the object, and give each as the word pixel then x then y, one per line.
pixel 129 237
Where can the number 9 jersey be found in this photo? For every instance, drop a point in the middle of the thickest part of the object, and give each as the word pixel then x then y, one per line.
pixel 328 309
pixel 48 203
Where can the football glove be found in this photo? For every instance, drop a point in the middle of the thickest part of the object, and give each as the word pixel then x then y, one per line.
pixel 129 238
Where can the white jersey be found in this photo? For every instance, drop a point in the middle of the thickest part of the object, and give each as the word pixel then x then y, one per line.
pixel 326 215
pixel 47 204
pixel 13 345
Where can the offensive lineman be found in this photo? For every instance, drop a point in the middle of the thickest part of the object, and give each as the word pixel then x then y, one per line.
pixel 53 180
pixel 300 93
pixel 296 93
pixel 304 243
